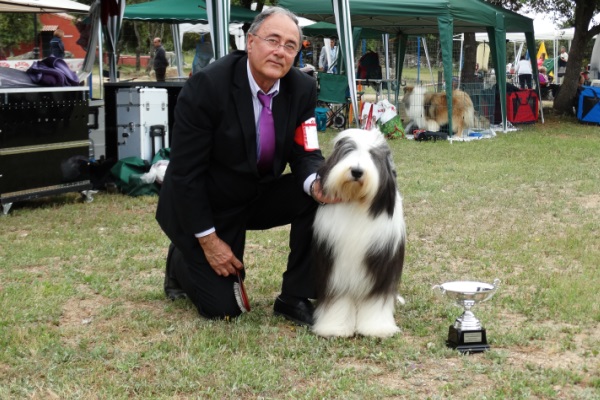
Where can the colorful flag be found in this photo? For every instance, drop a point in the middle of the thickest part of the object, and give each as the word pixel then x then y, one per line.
pixel 542 50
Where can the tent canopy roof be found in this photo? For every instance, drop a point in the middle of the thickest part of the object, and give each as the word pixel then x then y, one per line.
pixel 325 29
pixel 555 34
pixel 416 17
pixel 42 6
pixel 178 11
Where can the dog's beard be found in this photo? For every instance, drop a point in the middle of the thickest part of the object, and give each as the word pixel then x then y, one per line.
pixel 342 185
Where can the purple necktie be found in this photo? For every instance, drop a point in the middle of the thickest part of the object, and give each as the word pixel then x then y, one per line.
pixel 266 132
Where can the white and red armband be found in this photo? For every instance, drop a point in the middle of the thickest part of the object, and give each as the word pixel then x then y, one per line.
pixel 306 135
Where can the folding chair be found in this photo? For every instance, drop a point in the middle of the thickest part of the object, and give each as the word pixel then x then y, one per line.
pixel 334 95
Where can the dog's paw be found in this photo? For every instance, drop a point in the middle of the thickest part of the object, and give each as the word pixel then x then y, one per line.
pixel 333 331
pixel 400 300
pixel 433 126
pixel 384 331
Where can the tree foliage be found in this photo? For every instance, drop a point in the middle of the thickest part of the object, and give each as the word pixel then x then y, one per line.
pixel 566 13
pixel 15 28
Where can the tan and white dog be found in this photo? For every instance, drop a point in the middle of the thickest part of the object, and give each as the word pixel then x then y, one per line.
pixel 429 110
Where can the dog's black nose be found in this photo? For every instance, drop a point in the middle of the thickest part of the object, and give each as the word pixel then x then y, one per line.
pixel 356 173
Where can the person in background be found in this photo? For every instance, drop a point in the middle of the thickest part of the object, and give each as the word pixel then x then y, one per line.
pixel 541 60
pixel 328 57
pixel 584 79
pixel 160 60
pixel 303 56
pixel 227 172
pixel 524 72
pixel 204 54
pixel 57 47
pixel 544 84
pixel 563 59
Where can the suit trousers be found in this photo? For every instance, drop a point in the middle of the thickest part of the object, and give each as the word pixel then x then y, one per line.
pixel 280 202
pixel 160 74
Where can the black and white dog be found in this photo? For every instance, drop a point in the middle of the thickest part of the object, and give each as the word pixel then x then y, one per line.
pixel 359 242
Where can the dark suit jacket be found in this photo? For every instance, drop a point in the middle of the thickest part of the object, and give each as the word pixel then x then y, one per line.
pixel 212 172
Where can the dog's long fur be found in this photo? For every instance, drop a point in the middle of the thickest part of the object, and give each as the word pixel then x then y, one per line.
pixel 430 110
pixel 359 242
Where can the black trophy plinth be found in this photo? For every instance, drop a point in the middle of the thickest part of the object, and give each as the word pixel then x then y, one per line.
pixel 467 341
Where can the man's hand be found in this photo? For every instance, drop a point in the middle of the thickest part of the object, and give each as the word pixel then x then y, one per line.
pixel 316 191
pixel 219 255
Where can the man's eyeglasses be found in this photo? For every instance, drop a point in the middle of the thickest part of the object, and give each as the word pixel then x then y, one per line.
pixel 290 49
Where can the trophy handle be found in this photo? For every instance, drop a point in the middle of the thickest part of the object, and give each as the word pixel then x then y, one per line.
pixel 439 289
pixel 496 283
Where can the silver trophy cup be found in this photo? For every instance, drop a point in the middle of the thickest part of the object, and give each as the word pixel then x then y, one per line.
pixel 467 335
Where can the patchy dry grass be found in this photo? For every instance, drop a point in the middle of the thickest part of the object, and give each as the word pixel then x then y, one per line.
pixel 84 316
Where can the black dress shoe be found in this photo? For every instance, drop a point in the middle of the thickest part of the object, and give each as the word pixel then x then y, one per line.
pixel 172 289
pixel 298 310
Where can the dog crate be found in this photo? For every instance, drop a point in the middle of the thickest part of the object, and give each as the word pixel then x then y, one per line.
pixel 588 107
pixel 522 107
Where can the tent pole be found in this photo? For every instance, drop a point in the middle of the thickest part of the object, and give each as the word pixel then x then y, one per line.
pixel 461 57
pixel 177 48
pixel 426 50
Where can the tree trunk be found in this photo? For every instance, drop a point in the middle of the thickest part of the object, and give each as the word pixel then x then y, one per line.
pixel 565 100
pixel 138 48
pixel 469 58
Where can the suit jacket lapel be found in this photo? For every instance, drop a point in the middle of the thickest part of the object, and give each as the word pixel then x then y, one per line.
pixel 242 97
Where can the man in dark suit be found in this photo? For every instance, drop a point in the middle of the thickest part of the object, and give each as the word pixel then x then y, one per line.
pixel 160 60
pixel 219 183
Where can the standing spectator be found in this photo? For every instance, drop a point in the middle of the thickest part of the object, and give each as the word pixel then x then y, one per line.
pixel 160 60
pixel 57 48
pixel 204 54
pixel 328 58
pixel 544 84
pixel 524 71
pixel 563 58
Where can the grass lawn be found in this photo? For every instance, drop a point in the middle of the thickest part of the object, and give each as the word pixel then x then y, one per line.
pixel 84 315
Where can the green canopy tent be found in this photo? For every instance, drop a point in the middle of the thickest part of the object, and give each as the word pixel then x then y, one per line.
pixel 418 17
pixel 326 29
pixel 217 13
pixel 179 11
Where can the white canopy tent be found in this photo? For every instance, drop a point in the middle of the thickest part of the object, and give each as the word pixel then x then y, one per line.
pixel 547 31
pixel 235 29
pixel 42 6
pixel 555 34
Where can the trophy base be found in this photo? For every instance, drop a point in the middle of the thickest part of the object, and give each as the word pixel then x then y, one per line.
pixel 467 341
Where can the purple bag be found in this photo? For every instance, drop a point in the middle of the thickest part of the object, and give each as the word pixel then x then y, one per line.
pixel 52 71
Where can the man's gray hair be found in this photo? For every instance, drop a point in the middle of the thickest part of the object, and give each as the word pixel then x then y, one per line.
pixel 260 18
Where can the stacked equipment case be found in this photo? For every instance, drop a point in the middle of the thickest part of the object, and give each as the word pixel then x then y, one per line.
pixel 44 143
pixel 142 122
